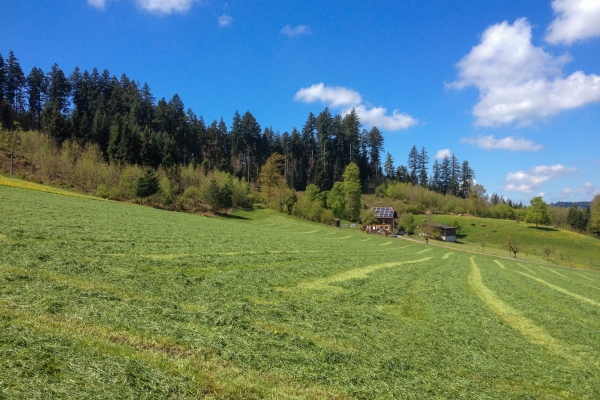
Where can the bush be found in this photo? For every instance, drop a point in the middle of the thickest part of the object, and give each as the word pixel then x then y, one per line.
pixel 326 216
pixel 102 191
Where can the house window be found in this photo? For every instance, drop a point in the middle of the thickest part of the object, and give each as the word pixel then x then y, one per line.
pixel 383 221
pixel 386 227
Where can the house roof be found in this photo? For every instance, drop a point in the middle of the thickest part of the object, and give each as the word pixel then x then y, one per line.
pixel 442 226
pixel 385 212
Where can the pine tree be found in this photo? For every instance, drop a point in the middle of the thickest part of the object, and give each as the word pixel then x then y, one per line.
pixel 435 184
pixel 455 175
pixel 413 164
pixel 14 87
pixel 37 87
pixel 402 174
pixel 422 167
pixel 467 178
pixel 388 167
pixel 2 80
pixel 376 146
pixel 445 175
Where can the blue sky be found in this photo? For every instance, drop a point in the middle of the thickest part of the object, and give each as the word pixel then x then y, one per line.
pixel 513 87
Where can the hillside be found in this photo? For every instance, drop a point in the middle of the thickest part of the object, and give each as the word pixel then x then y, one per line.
pixel 566 248
pixel 112 300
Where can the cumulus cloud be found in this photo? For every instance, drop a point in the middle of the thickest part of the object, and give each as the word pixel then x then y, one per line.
pixel 296 30
pixel 165 6
pixel 443 153
pixel 225 20
pixel 575 20
pixel 508 143
pixel 376 116
pixel 586 190
pixel 519 82
pixel 528 181
pixel 100 4
pixel 334 96
pixel 347 99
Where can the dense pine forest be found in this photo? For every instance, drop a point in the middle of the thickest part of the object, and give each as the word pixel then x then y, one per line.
pixel 123 118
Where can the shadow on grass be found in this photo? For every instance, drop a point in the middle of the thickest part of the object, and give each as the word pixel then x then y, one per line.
pixel 229 216
pixel 542 228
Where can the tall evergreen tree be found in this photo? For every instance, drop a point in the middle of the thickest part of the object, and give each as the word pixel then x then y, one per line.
pixel 388 167
pixel 413 164
pixel 423 161
pixel 455 172
pixel 37 88
pixel 445 175
pixel 466 181
pixel 376 146
pixel 436 179
pixel 14 87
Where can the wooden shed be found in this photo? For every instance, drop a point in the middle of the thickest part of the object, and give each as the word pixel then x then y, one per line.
pixel 448 232
pixel 386 218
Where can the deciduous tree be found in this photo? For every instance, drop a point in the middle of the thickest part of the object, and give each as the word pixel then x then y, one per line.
pixel 537 213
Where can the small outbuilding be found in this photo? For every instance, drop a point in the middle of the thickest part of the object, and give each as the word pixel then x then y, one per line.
pixel 336 222
pixel 448 233
pixel 386 218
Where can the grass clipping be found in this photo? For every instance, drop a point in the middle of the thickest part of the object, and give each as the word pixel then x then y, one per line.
pixel 512 317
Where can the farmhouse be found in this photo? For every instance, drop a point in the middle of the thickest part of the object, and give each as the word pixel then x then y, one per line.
pixel 386 218
pixel 448 232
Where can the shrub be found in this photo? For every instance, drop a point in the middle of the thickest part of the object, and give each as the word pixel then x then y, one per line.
pixel 102 191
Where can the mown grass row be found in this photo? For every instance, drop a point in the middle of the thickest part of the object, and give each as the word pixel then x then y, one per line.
pixel 111 300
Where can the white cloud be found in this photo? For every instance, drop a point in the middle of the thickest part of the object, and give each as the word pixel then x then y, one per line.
pixel 519 82
pixel 376 116
pixel 296 30
pixel 100 4
pixel 528 181
pixel 508 143
pixel 541 194
pixel 348 99
pixel 575 20
pixel 443 153
pixel 225 20
pixel 587 190
pixel 334 96
pixel 165 6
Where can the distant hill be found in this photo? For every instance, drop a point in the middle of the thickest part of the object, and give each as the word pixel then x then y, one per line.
pixel 580 204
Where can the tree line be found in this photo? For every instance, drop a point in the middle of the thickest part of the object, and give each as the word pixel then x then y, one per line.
pixel 129 125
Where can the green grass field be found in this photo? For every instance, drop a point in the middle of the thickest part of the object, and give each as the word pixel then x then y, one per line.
pixel 100 299
pixel 567 248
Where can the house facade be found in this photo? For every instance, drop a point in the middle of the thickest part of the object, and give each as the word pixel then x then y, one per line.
pixel 386 218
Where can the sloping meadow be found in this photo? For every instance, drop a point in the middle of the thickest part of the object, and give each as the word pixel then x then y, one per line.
pixel 111 300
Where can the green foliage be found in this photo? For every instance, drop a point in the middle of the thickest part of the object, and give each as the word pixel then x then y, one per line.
pixel 102 192
pixel 594 223
pixel 352 188
pixel 408 223
pixel 337 200
pixel 368 217
pixel 147 185
pixel 503 211
pixel 537 213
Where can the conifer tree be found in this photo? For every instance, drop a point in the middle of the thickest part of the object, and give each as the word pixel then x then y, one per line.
pixel 413 164
pixel 422 167
pixel 376 144
pixel 388 167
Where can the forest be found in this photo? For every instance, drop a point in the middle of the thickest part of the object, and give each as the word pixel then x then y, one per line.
pixel 123 118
